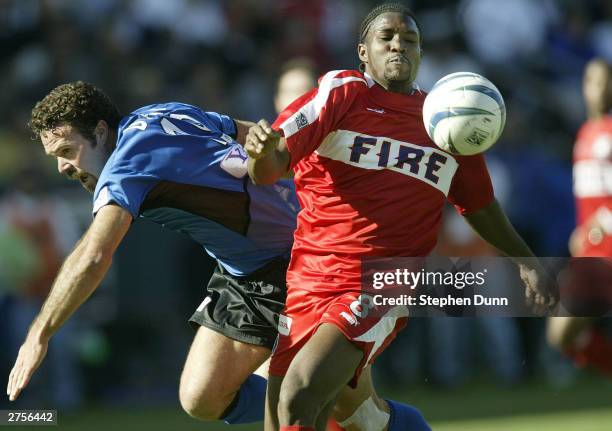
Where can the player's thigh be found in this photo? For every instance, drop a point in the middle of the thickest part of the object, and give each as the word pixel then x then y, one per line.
pixel 218 365
pixel 324 365
pixel 562 331
pixel 272 396
pixel 350 399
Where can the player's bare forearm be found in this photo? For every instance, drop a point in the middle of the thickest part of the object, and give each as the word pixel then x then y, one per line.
pixel 492 225
pixel 269 169
pixel 83 270
pixel 242 129
pixel 79 277
pixel 268 155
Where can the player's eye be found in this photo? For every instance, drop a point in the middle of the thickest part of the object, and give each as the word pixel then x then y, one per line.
pixel 64 152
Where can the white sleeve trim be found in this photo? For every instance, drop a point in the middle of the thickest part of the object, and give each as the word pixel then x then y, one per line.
pixel 309 113
pixel 103 199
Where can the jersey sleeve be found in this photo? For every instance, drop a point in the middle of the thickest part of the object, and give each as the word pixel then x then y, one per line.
pixel 224 123
pixel 471 188
pixel 172 142
pixel 309 119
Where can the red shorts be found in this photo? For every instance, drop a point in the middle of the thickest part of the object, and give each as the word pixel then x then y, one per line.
pixel 369 327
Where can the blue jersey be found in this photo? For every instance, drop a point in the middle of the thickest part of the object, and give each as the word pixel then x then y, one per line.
pixel 180 167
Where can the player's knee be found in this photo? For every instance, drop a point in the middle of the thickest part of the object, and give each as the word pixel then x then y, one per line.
pixel 203 404
pixel 297 401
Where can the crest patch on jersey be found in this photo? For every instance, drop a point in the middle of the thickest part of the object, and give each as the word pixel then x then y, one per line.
pixel 235 162
pixel 301 121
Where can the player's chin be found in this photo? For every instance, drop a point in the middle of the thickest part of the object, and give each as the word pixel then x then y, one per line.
pixel 90 184
pixel 398 71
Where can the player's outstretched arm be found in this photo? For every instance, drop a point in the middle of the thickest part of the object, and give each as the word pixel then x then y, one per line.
pixel 268 155
pixel 79 276
pixel 492 224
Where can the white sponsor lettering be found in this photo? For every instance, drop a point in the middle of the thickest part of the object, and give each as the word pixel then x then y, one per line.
pixel 427 164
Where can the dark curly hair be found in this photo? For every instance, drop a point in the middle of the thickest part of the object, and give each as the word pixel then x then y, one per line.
pixel 77 104
pixel 379 10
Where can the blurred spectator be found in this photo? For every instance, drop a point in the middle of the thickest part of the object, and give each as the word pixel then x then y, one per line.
pixel 504 32
pixel 41 230
pixel 297 77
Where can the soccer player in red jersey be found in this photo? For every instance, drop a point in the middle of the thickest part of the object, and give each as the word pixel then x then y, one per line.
pixel 593 166
pixel 584 339
pixel 371 184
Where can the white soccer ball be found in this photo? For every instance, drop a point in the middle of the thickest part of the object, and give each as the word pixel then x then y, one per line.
pixel 464 113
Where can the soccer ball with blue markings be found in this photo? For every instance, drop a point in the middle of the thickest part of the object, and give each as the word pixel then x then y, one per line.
pixel 464 113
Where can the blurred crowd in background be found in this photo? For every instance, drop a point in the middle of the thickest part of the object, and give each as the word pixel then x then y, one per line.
pixel 227 56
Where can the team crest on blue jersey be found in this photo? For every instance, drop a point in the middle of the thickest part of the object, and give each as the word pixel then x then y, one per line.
pixel 235 162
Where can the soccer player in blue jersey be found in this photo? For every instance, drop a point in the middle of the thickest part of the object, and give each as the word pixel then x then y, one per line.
pixel 184 169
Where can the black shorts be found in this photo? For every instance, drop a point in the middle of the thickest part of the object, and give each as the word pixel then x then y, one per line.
pixel 245 309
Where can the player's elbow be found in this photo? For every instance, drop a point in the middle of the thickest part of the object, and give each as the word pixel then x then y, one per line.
pixel 96 260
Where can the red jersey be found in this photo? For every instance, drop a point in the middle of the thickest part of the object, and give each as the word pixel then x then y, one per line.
pixel 369 179
pixel 593 180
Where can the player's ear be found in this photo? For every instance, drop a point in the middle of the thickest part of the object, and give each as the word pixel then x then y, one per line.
pixel 362 51
pixel 101 132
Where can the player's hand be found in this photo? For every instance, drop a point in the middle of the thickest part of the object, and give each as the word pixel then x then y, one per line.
pixel 30 356
pixel 261 140
pixel 540 289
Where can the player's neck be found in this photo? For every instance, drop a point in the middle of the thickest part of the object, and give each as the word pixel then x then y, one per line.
pixel 402 87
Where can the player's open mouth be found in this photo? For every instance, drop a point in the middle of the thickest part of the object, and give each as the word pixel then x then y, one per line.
pixel 398 60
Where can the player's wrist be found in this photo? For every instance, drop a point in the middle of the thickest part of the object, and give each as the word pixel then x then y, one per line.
pixel 40 332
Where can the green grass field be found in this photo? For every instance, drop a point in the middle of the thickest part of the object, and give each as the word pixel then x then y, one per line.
pixel 478 407
pixel 583 420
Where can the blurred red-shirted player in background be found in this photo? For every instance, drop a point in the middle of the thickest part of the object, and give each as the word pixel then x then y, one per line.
pixel 583 338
